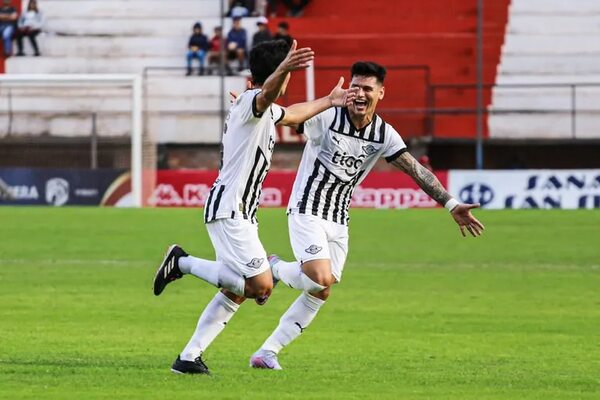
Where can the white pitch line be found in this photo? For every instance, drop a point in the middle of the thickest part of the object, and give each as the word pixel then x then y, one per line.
pixel 73 262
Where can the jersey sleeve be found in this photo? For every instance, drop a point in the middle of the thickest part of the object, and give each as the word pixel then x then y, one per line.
pixel 394 146
pixel 277 113
pixel 245 106
pixel 316 127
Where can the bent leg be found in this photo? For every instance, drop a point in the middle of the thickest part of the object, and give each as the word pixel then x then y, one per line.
pixel 294 321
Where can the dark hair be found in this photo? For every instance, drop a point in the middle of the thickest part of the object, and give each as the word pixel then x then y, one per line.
pixel 265 58
pixel 368 68
pixel 284 25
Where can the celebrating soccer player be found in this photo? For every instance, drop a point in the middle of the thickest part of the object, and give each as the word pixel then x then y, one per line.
pixel 343 146
pixel 242 269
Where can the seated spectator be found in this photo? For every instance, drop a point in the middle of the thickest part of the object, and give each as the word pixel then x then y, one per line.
pixel 8 22
pixel 29 25
pixel 236 44
pixel 214 49
pixel 283 33
pixel 197 48
pixel 238 9
pixel 263 34
pixel 295 7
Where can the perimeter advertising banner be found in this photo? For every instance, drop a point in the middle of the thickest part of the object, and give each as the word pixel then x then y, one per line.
pixel 59 187
pixel 542 189
pixel 378 190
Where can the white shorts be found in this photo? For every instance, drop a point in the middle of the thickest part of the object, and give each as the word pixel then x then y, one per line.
pixel 237 245
pixel 314 238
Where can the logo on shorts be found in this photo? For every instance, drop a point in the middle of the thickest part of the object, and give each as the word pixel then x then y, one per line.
pixel 255 263
pixel 313 249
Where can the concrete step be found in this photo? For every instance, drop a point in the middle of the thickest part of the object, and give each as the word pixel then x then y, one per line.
pixel 182 128
pixel 551 65
pixel 174 94
pixel 91 9
pixel 540 98
pixel 543 126
pixel 580 44
pixel 141 27
pixel 555 7
pixel 516 78
pixel 87 65
pixel 114 48
pixel 554 24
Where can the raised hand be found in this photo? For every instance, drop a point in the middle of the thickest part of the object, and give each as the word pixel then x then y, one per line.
pixel 342 97
pixel 465 220
pixel 297 58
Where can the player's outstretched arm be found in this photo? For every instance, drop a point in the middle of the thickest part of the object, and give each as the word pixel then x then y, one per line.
pixel 300 112
pixel 432 186
pixel 271 90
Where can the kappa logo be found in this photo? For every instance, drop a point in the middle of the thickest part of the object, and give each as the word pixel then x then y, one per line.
pixel 313 249
pixel 369 149
pixel 335 139
pixel 255 263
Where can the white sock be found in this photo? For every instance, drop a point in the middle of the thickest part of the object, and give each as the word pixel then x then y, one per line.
pixel 212 321
pixel 293 322
pixel 291 274
pixel 214 272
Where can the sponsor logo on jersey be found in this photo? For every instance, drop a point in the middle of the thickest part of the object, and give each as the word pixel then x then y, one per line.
pixel 348 162
pixel 255 262
pixel 313 249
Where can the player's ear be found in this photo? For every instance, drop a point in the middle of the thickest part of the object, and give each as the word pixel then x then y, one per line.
pixel 381 93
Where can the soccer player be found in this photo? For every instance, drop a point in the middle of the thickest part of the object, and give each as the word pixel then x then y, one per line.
pixel 242 269
pixel 343 146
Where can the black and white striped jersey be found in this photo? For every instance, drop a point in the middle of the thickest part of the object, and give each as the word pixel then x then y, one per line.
pixel 246 149
pixel 337 158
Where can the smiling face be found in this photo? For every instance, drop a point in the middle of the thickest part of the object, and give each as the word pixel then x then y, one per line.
pixel 370 91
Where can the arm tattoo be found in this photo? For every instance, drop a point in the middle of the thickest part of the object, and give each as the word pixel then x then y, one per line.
pixel 423 177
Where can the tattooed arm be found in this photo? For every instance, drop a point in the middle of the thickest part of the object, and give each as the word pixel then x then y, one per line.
pixel 423 177
pixel 432 186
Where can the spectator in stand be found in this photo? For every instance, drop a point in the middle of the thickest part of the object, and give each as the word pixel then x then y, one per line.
pixel 295 7
pixel 29 25
pixel 8 24
pixel 238 9
pixel 236 44
pixel 283 33
pixel 214 51
pixel 197 48
pixel 263 34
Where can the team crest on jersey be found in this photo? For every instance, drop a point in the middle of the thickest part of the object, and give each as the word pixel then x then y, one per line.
pixel 369 149
pixel 313 249
pixel 255 263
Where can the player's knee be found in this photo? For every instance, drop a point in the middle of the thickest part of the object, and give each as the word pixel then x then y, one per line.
pixel 259 286
pixel 322 279
pixel 323 294
pixel 233 297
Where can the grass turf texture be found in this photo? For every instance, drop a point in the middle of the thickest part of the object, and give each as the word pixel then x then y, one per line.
pixel 421 313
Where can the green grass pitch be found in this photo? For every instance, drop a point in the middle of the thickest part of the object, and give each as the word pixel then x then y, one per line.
pixel 421 313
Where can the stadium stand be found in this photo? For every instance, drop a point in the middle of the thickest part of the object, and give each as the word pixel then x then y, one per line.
pixel 407 33
pixel 112 36
pixel 549 41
